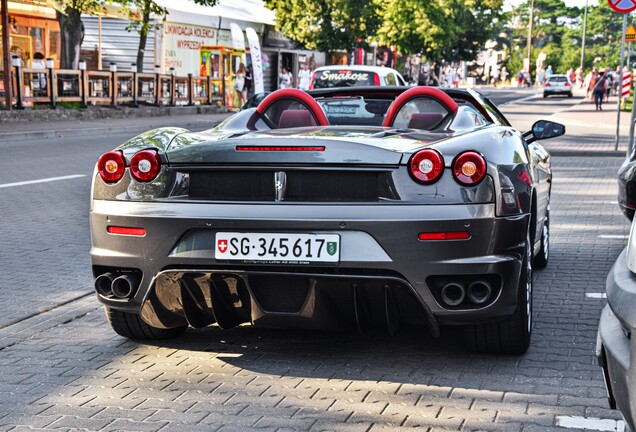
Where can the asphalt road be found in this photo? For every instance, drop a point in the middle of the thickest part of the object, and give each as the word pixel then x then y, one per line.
pixel 62 368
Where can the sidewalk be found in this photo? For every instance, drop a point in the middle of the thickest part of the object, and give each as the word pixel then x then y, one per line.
pixel 188 119
pixel 588 132
pixel 591 132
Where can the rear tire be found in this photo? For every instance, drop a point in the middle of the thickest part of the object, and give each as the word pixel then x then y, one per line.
pixel 511 335
pixel 133 327
pixel 570 94
pixel 541 259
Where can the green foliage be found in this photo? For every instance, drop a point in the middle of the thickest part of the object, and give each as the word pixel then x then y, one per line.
pixel 83 6
pixel 439 29
pixel 139 12
pixel 326 25
pixel 558 32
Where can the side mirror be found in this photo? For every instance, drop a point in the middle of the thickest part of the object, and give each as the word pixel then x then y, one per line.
pixel 544 129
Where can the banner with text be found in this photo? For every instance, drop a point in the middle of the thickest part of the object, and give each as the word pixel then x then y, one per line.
pixel 181 43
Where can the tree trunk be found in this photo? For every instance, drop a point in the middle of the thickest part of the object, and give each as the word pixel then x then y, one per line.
pixel 72 35
pixel 143 36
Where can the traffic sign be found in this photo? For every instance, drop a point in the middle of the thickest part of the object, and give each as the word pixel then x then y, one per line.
pixel 630 34
pixel 622 6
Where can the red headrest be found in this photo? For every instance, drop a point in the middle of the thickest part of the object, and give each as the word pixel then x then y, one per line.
pixel 298 95
pixel 296 118
pixel 421 91
pixel 425 121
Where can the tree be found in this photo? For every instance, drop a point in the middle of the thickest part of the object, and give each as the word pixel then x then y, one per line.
pixel 439 29
pixel 139 12
pixel 326 25
pixel 69 14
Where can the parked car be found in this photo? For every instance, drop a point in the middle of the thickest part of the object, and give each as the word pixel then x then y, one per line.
pixel 355 75
pixel 430 209
pixel 615 346
pixel 557 85
pixel 627 187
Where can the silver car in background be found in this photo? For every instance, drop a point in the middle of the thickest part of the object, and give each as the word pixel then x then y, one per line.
pixel 557 85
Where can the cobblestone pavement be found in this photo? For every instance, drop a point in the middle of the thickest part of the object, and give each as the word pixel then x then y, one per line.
pixel 66 370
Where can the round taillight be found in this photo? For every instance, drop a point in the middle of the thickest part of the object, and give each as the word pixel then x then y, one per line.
pixel 426 166
pixel 469 168
pixel 145 165
pixel 111 166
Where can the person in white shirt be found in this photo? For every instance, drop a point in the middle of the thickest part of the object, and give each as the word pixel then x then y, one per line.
pixel 285 79
pixel 304 77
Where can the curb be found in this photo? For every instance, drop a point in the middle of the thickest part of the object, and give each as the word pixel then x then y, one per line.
pixel 6 137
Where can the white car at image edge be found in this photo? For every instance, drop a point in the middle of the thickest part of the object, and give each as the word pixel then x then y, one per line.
pixel 355 76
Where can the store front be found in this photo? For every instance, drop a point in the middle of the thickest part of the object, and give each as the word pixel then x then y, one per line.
pixel 33 28
pixel 279 52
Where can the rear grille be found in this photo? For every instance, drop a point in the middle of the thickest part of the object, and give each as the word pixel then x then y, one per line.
pixel 280 293
pixel 300 185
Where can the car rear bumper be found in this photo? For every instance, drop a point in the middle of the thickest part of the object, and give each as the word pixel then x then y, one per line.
pixel 382 259
pixel 565 91
pixel 615 348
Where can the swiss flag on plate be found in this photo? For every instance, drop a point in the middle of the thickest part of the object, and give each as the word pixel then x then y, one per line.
pixel 221 245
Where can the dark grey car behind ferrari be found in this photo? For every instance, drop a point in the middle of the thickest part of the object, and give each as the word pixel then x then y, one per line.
pixel 362 208
pixel 615 347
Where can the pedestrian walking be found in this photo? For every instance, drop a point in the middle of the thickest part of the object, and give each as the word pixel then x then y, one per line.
pixel 239 84
pixel 600 87
pixel 504 75
pixel 285 79
pixel 249 80
pixel 304 77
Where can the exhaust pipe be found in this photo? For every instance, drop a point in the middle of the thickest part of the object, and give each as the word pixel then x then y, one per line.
pixel 479 292
pixel 103 284
pixel 453 293
pixel 124 286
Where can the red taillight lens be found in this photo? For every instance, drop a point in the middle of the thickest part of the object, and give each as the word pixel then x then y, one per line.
pixel 145 165
pixel 313 80
pixel 426 166
pixel 129 231
pixel 547 84
pixel 469 168
pixel 376 79
pixel 441 236
pixel 567 84
pixel 111 166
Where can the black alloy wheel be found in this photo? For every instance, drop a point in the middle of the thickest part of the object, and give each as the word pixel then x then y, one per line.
pixel 511 335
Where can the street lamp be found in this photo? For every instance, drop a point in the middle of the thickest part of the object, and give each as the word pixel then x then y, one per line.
pixel 530 32
pixel 583 40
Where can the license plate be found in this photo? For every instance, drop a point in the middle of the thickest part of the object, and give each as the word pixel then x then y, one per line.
pixel 277 247
pixel 342 109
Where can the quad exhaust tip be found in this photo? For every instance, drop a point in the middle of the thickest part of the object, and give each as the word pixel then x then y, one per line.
pixel 479 292
pixel 122 286
pixel 103 284
pixel 453 293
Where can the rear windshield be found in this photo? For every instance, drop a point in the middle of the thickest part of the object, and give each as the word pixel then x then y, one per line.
pixel 355 111
pixel 558 79
pixel 343 78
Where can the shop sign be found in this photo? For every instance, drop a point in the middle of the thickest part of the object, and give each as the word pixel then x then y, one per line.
pixel 181 43
pixel 630 34
pixel 276 39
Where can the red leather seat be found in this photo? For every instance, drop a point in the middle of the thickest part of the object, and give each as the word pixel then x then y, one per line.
pixel 425 121
pixel 296 118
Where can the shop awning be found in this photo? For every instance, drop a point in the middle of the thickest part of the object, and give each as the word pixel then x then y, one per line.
pixel 243 12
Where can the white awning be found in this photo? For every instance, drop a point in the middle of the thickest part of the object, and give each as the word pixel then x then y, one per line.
pixel 243 12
